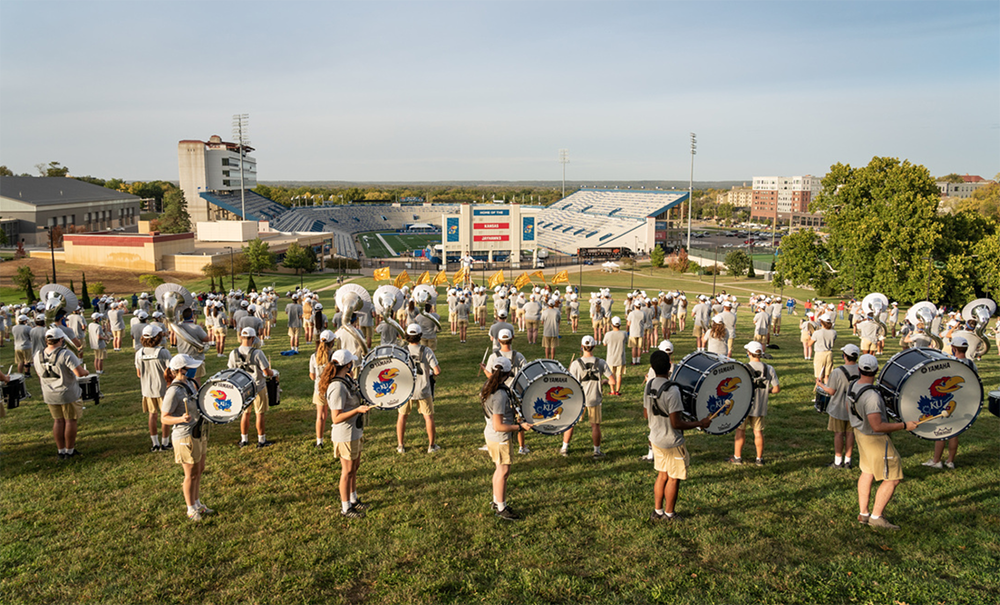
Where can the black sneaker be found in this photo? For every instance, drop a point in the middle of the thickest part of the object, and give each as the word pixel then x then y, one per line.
pixel 319 445
pixel 63 456
pixel 656 517
pixel 734 460
pixel 834 465
pixel 74 454
pixel 167 446
pixel 353 513
pixel 264 444
pixel 242 443
pixel 362 506
pixel 759 462
pixel 846 465
pixel 155 448
pixel 508 514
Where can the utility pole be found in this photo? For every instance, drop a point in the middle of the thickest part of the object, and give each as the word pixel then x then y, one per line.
pixel 564 159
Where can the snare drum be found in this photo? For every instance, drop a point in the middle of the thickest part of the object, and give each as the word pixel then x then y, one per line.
pixel 544 389
pixel 225 396
pixel 995 403
pixel 91 387
pixel 274 388
pixel 387 377
pixel 822 400
pixel 709 382
pixel 922 383
pixel 14 391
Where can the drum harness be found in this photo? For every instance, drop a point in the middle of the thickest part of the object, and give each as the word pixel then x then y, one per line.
pixel 49 365
pixel 591 373
pixel 190 392
pixel 655 397
pixel 353 388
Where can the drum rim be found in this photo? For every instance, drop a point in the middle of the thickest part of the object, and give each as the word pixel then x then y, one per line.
pixel 247 401
pixel 704 375
pixel 545 429
pixel 413 388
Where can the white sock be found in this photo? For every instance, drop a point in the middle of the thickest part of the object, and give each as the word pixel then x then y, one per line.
pixel 847 459
pixel 192 510
pixel 659 511
pixel 155 439
pixel 500 506
pixel 166 441
pixel 244 437
pixel 319 442
pixel 876 516
pixel 838 459
pixel 671 515
pixel 649 454
pixel 565 446
pixel 344 506
pixel 63 450
pixel 597 449
pixel 354 497
pixel 261 438
pixel 71 450
pixel 198 504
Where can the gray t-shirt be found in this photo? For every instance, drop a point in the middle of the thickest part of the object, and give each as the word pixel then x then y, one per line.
pixel 173 405
pixel 761 323
pixel 389 335
pixel 22 337
pixel 588 371
pixel 532 311
pixel 462 310
pixel 137 335
pixel 55 370
pixel 424 361
pixel 824 339
pixel 37 338
pixel 252 361
pixel 495 330
pixel 197 333
pixel 116 320
pixel 662 434
pixel 294 313
pixel 550 322
pixel 837 408
pixel 869 403
pixel 729 320
pixel 615 341
pixel 151 363
pixel 250 321
pixel 636 319
pixel 341 398
pixel 498 403
pixel 760 396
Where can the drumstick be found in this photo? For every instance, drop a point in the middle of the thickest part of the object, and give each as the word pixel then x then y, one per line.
pixel 943 414
pixel 553 419
pixel 721 407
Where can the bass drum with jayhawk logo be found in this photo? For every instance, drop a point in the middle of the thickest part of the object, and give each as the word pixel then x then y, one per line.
pixel 544 390
pixel 918 384
pixel 224 396
pixel 387 377
pixel 711 382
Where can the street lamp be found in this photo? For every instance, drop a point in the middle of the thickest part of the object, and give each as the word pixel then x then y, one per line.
pixel 694 147
pixel 232 269
pixel 564 159
pixel 52 250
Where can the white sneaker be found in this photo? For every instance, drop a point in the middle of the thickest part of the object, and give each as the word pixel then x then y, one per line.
pixel 933 464
pixel 523 450
pixel 950 465
pixel 485 448
pixel 400 450
pixel 433 448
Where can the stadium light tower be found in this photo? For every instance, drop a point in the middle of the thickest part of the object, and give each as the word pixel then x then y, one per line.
pixel 694 147
pixel 241 128
pixel 564 159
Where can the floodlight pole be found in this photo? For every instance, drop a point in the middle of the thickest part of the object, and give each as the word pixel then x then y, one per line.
pixel 232 269
pixel 564 159
pixel 52 251
pixel 694 147
pixel 241 123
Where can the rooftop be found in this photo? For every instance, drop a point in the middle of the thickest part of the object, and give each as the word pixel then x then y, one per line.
pixel 49 191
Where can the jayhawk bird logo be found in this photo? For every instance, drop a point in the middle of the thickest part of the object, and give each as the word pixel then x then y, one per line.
pixel 528 229
pixel 941 397
pixel 385 385
pixel 551 403
pixel 221 402
pixel 452 229
pixel 722 398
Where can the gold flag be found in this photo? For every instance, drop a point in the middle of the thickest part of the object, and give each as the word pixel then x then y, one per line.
pixel 425 278
pixel 539 275
pixel 440 278
pixel 497 279
pixel 522 281
pixel 561 278
pixel 460 276
pixel 382 274
pixel 401 280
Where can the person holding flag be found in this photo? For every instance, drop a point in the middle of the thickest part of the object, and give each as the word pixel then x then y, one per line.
pixel 381 274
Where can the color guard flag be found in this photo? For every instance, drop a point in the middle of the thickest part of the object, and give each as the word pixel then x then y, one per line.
pixel 440 278
pixel 460 276
pixel 496 279
pixel 539 275
pixel 401 280
pixel 425 278
pixel 522 281
pixel 561 278
pixel 382 274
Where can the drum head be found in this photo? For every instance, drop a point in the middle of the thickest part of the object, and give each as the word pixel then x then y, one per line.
pixel 387 380
pixel 223 401
pixel 729 385
pixel 551 395
pixel 934 387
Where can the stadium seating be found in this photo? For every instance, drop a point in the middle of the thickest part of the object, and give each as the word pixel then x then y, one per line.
pixel 258 207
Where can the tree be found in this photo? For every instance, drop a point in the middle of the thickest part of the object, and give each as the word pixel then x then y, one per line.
pixel 952 178
pixel 737 262
pixel 988 250
pixel 25 280
pixel 959 277
pixel 298 259
pixel 84 295
pixel 656 256
pixel 150 280
pixel 52 169
pixel 800 261
pixel 882 220
pixel 4 171
pixel 175 217
pixel 251 285
pixel 258 256
pixel 985 201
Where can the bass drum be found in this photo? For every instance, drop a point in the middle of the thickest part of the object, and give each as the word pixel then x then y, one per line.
pixel 710 382
pixel 14 391
pixel 917 384
pixel 995 403
pixel 544 390
pixel 224 397
pixel 387 377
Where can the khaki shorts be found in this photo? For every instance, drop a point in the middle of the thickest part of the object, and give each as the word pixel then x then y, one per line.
pixel 550 342
pixel 367 331
pixel 116 333
pixel 618 371
pixel 838 426
pixel 219 332
pixel 22 356
pixel 294 332
pixel 822 363
pixel 867 345
pixel 188 450
pixel 260 403
pixel 100 354
pixel 634 342
pixel 316 398
pixel 68 411
pixel 594 415
pixel 424 406
pixel 756 423
pixel 499 452
pixel 151 405
pixel 531 324
pixel 761 338
pixel 673 461
pixel 430 343
pixel 463 323
pixel 698 331
pixel 347 451
pixel 879 457
pixel 775 321
pixel 596 323
pixel 200 372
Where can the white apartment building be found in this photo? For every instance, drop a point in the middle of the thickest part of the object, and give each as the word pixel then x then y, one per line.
pixel 783 196
pixel 212 165
pixel 739 197
pixel 962 190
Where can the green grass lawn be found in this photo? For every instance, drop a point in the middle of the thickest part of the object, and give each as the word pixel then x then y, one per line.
pixel 111 527
pixel 373 248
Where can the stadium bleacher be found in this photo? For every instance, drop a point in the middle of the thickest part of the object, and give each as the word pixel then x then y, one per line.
pixel 258 207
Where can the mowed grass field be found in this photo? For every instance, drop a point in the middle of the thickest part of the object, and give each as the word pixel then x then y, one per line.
pixel 399 242
pixel 111 526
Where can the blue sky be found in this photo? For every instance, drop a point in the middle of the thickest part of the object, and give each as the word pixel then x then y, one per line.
pixel 418 91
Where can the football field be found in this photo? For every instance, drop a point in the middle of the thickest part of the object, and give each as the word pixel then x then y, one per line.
pixel 399 242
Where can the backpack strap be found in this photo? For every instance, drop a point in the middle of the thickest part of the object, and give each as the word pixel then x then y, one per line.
pixel 655 396
pixel 854 397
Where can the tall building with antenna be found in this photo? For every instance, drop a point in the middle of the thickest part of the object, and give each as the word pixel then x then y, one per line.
pixel 214 166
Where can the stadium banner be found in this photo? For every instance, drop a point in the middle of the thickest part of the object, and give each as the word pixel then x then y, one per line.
pixel 491 225
pixel 528 229
pixel 382 274
pixel 425 278
pixel 496 279
pixel 490 238
pixel 402 279
pixel 522 281
pixel 452 223
pixel 491 212
pixel 561 278
pixel 440 278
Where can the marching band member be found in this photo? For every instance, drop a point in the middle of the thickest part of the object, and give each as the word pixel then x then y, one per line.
pixel 23 351
pixel 500 324
pixel 836 386
pixel 766 379
pixel 700 317
pixel 822 342
pixel 254 362
pixel 293 311
pixel 519 303
pixel 775 309
pixel 532 315
pixel 517 362
pixel 452 300
pixel 879 459
pixel 635 321
pixel 550 328
pixel 807 326
pixel 219 327
pixel 959 349
pixel 717 340
pixel 429 337
pixel 317 363
pixel 663 409
pixel 589 370
pixel 461 314
pixel 136 330
pixel 761 323
pixel 58 369
pixel 729 320
pixel 388 335
pixel 423 397
pixel 347 432
pixel 117 323
pixel 195 333
pixel 151 362
pixel 189 435
pixel 665 310
pixel 616 340
pixel 307 317
pixel 499 413
pixel 574 312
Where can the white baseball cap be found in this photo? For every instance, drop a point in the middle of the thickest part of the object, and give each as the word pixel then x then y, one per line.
pixel 54 334
pixel 318 306
pixel 248 333
pixel 666 346
pixel 252 308
pixel 180 361
pixel 588 341
pixel 616 321
pixel 150 331
pixel 717 319
pixel 502 364
pixel 959 341
pixel 505 334
pixel 501 313
pixel 414 330
pixel 868 363
pixel 728 303
pixel 343 357
pixel 326 336
pixel 754 347
pixel 142 315
pixel 851 350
